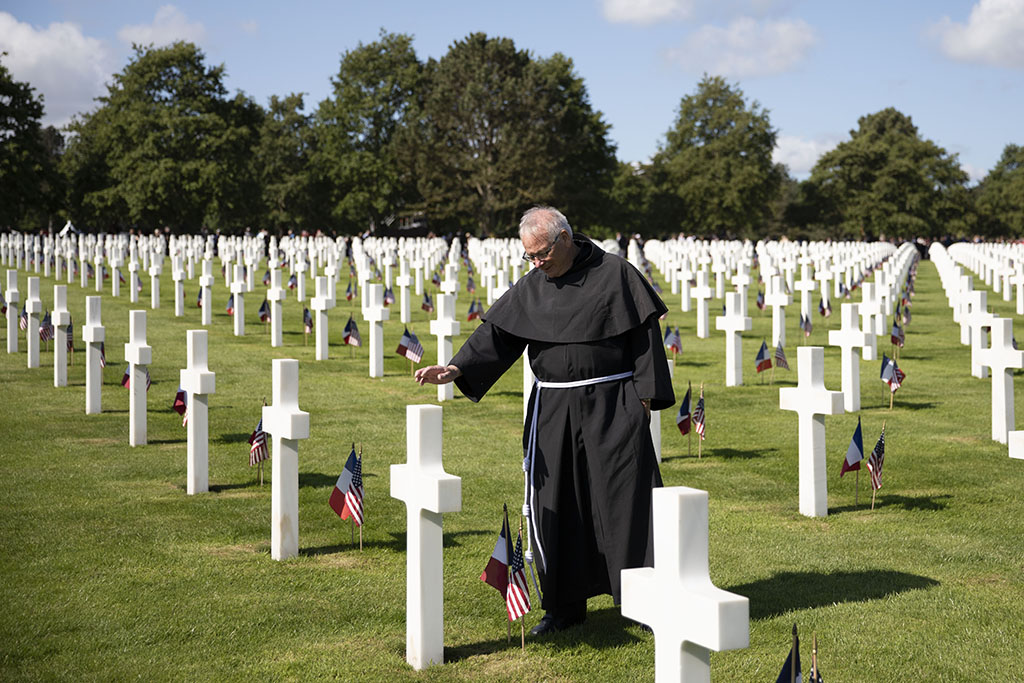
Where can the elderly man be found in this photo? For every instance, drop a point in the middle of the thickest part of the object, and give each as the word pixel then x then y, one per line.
pixel 590 323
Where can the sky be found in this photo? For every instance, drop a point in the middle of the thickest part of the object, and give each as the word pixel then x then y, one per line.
pixel 956 68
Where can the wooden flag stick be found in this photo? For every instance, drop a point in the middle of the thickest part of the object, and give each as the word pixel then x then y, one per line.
pixel 892 394
pixel 700 441
pixel 364 498
pixel 522 619
pixel 352 530
pixel 508 576
pixel 814 657
pixel 856 489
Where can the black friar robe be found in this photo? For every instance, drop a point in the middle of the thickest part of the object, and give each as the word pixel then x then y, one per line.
pixel 594 464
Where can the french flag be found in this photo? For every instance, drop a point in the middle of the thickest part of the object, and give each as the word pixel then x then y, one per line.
pixel 496 572
pixel 347 497
pixel 855 453
pixel 683 418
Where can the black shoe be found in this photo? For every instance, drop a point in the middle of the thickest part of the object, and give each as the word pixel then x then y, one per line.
pixel 553 622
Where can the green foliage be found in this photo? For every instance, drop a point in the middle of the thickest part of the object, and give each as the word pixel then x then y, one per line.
pixel 887 181
pixel 358 132
pixel 171 147
pixel 715 167
pixel 1000 196
pixel 110 571
pixel 29 181
pixel 499 131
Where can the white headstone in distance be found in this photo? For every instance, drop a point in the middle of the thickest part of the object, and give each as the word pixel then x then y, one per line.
pixel 139 355
pixel 849 337
pixel 1016 443
pixel 811 402
pixel 156 269
pixel 61 319
pixel 133 278
pixel 978 320
pixel 320 304
pixel 1003 359
pixel 13 297
pixel 93 334
pixel 206 293
pixel 299 271
pixel 445 327
pixel 702 293
pixel 428 492
pixel 34 308
pixel 198 383
pixel 404 280
pixel 286 424
pixel 238 289
pixel 275 298
pixel 778 299
pixel 676 599
pixel 178 275
pixel 733 323
pixel 375 313
pixel 869 307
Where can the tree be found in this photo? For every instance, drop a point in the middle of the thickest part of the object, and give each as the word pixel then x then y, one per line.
pixel 292 195
pixel 498 131
pixel 887 180
pixel 716 163
pixel 1000 196
pixel 167 145
pixel 357 131
pixel 28 157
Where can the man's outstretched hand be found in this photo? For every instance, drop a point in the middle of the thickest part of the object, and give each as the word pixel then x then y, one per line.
pixel 437 374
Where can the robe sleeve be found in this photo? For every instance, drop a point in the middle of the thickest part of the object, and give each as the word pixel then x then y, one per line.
pixel 650 366
pixel 487 355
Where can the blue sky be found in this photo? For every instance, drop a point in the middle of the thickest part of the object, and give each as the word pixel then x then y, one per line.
pixel 957 68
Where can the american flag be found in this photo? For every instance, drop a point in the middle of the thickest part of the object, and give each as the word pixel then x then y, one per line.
pixel 180 405
pixel 70 334
pixel 90 273
pixel 46 328
pixel 23 320
pixel 517 595
pixel 824 308
pixel 126 378
pixel 698 416
pixel 266 278
pixel 672 341
pixel 475 310
pixel 891 373
pixel 264 311
pixel 389 296
pixel 780 357
pixel 470 285
pixel 120 278
pixel 230 308
pixel 760 299
pixel 138 283
pixel 683 418
pixel 896 334
pixel 199 299
pixel 409 347
pixel 307 321
pixel 351 333
pixel 348 292
pixel 435 278
pixel 428 303
pixel 875 461
pixel 258 451
pixel 103 355
pixel 763 361
pixel 806 325
pixel 3 304
pixel 293 282
pixel 351 480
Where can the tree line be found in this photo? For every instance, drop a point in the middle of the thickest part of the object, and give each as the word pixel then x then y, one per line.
pixel 465 143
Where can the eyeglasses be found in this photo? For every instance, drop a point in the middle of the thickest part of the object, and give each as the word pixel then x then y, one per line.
pixel 541 255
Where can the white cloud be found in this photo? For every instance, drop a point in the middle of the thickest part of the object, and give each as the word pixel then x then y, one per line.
pixel 68 68
pixel 975 173
pixel 169 24
pixel 252 27
pixel 746 47
pixel 799 154
pixel 645 11
pixel 994 34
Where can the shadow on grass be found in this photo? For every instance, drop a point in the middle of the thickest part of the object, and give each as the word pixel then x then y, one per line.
pixel 396 544
pixel 910 503
pixel 316 480
pixel 604 629
pixel 724 453
pixel 159 441
pixel 218 488
pixel 234 438
pixel 790 591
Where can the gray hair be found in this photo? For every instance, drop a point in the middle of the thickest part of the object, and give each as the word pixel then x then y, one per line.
pixel 544 220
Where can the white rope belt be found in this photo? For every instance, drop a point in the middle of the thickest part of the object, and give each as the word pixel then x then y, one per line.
pixel 530 492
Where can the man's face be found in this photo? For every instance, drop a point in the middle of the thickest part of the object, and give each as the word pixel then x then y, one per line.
pixel 555 258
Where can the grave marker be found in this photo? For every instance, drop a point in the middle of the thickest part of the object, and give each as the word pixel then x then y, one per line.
pixel 139 355
pixel 93 334
pixel 1003 359
pixel 286 424
pixel 733 323
pixel 198 382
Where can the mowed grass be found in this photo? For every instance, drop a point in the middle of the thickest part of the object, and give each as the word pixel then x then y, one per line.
pixel 110 571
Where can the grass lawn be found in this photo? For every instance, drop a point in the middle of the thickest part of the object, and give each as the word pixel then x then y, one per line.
pixel 110 571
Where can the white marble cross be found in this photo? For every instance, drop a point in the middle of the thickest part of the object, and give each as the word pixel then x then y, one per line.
pixel 977 320
pixel 812 401
pixel 404 280
pixel 806 285
pixel 687 613
pixel 178 275
pixel 98 261
pixel 156 269
pixel 13 296
pixel 138 354
pixel 238 289
pixel 741 281
pixel 869 308
pixel 445 327
pixel 206 289
pixel 685 295
pixel 428 492
pixel 733 323
pixel 849 337
pixel 133 276
pixel 1002 358
pixel 61 318
pixel 299 271
pixel 702 293
pixel 275 298
pixel 34 308
pixel 286 424
pixel 375 313
pixel 321 303
pixel 93 334
pixel 116 261
pixel 778 299
pixel 198 382
pixel 450 283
